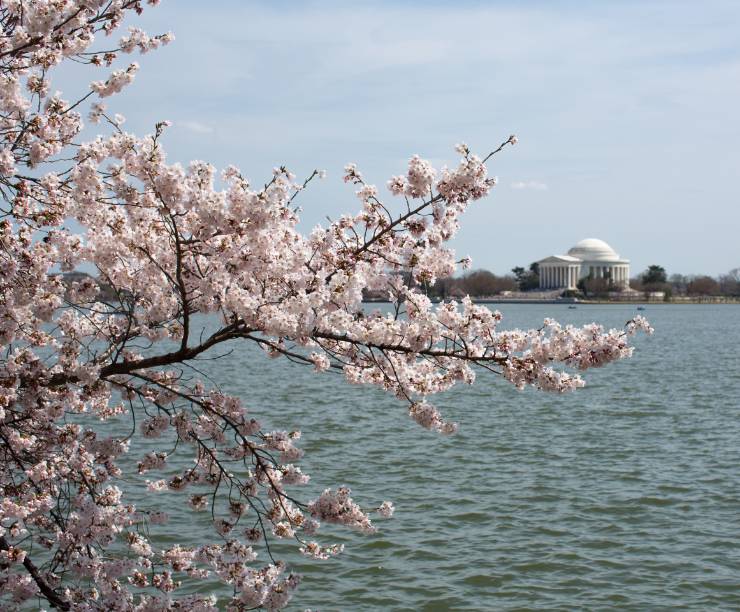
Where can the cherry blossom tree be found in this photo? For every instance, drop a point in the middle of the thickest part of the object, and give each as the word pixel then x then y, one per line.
pixel 168 244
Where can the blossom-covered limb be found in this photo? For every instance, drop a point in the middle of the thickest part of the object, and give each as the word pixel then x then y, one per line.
pixel 167 244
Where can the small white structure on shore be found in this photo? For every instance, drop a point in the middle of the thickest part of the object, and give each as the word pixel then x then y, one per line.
pixel 590 258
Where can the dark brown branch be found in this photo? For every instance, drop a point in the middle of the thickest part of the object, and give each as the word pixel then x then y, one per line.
pixel 54 599
pixel 126 367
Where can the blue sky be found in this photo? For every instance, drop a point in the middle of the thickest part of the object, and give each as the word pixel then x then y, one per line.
pixel 627 112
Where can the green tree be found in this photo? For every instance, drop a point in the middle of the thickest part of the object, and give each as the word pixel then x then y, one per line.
pixel 527 280
pixel 654 275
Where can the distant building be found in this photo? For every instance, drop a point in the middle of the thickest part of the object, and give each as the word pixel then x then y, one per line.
pixel 590 258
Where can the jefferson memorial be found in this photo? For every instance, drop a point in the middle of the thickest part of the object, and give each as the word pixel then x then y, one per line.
pixel 590 258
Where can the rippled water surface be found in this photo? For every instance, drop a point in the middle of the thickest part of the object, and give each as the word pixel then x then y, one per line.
pixel 625 494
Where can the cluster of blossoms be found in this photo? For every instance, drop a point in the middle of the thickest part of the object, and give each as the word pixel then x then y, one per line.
pixel 168 245
pixel 116 81
pixel 338 507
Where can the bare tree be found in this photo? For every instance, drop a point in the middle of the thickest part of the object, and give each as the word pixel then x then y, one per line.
pixel 703 285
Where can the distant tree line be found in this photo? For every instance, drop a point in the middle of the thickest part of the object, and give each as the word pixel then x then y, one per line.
pixel 477 283
pixel 655 278
pixel 483 283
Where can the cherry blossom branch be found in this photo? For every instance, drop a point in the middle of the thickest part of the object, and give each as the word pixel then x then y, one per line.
pixel 168 244
pixel 54 599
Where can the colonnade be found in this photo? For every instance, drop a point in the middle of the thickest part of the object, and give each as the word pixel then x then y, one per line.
pixel 566 276
pixel 619 273
pixel 559 276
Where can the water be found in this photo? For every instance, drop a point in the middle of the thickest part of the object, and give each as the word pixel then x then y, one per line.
pixel 625 494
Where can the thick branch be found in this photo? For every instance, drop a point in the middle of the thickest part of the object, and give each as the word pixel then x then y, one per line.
pixel 183 354
pixel 51 595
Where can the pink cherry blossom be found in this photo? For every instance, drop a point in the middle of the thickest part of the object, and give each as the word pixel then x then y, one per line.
pixel 167 244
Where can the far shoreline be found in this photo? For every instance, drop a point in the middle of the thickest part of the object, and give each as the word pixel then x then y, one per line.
pixel 718 300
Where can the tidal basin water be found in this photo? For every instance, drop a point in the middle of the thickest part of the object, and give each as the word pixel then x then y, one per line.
pixel 623 495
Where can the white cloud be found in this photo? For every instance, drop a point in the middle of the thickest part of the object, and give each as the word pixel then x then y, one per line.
pixel 536 185
pixel 195 126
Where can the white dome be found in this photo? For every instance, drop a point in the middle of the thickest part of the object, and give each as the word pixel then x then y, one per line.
pixel 593 249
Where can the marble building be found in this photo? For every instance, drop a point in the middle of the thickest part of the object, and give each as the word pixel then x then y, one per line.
pixel 589 258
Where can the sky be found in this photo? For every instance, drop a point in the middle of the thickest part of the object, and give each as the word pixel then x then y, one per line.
pixel 626 112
